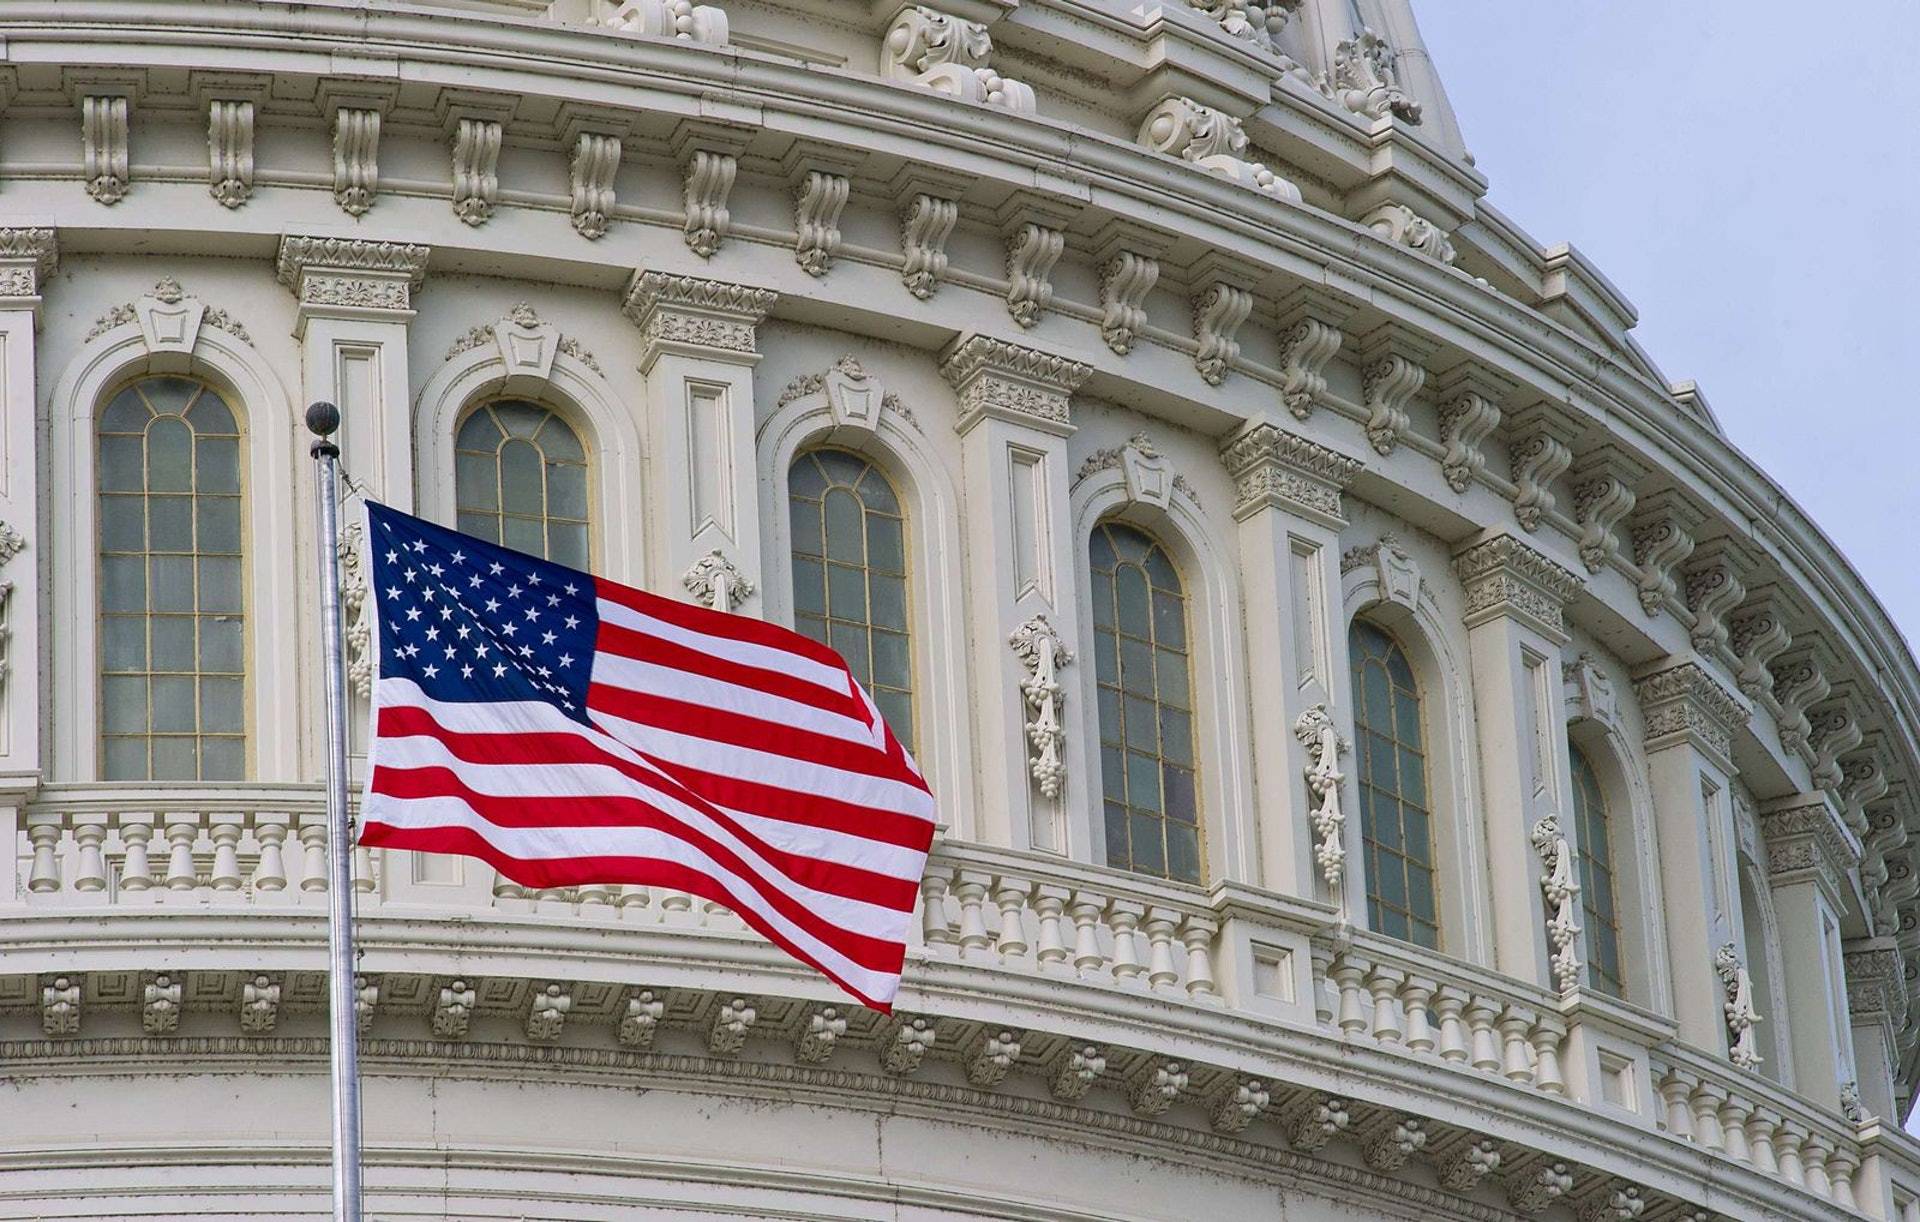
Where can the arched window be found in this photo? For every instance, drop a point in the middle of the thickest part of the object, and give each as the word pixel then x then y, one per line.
pixel 520 480
pixel 1146 705
pixel 172 607
pixel 850 574
pixel 1396 816
pixel 1601 915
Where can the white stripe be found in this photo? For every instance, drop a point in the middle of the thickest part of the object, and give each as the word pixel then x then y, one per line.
pixel 549 844
pixel 766 657
pixel 651 679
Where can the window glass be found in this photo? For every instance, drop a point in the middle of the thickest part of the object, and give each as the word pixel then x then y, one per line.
pixel 520 480
pixel 1602 918
pixel 1395 820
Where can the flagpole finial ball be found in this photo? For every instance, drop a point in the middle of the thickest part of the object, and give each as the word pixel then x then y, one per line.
pixel 323 418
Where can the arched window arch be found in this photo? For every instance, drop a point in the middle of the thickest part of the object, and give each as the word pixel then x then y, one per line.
pixel 520 479
pixel 850 574
pixel 1145 682
pixel 171 480
pixel 1593 833
pixel 1396 811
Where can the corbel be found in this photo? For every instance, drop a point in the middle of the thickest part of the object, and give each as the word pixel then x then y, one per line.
pixel 1833 730
pixel 1539 449
pixel 1758 632
pixel 1310 328
pixel 1715 585
pixel 1035 234
pixel 1802 680
pixel 1664 530
pixel 822 182
pixel 594 141
pixel 928 201
pixel 1393 368
pixel 1221 304
pixel 709 157
pixel 1128 256
pixel 1470 397
pixel 1604 482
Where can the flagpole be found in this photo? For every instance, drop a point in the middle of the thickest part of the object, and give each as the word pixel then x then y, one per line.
pixel 322 420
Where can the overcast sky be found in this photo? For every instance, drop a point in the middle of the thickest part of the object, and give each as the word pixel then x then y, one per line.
pixel 1745 172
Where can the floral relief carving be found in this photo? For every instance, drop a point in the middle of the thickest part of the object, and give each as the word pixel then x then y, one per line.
pixel 167 293
pixel 356 606
pixel 1685 699
pixel 715 581
pixel 1742 1017
pixel 948 54
pixel 1041 650
pixel 1214 141
pixel 1325 745
pixel 1364 80
pixel 1562 894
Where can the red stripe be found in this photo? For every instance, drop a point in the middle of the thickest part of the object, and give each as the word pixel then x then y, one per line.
pixel 583 871
pixel 722 624
pixel 631 643
pixel 560 811
pixel 806 809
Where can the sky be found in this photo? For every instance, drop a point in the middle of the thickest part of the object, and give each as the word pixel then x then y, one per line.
pixel 1746 173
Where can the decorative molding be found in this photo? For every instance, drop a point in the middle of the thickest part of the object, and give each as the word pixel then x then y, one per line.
pixel 476 169
pixel 1125 281
pixel 230 151
pixel 170 319
pixel 904 1043
pixel 732 1020
pixel 715 582
pixel 1713 589
pixel 949 54
pixel 259 1004
pixel 1219 310
pixel 1392 1140
pixel 1273 468
pixel 1010 382
pixel 1504 576
pixel 1685 702
pixel 453 1011
pixel 28 255
pixel 1539 450
pixel 1742 1018
pixel 1603 496
pixel 1313 1119
pixel 1042 652
pixel 1401 225
pixel 1395 570
pixel 160 1004
pixel 925 225
pixel 351 274
pixel 590 173
pixel 1799 683
pixel 1532 1193
pixel 1663 538
pixel 527 345
pixel 854 397
pixel 1214 141
pixel 1364 81
pixel 1074 1070
pixel 819 1033
pixel 1562 892
pixel 707 317
pixel 356 159
pixel 818 202
pixel 1833 731
pixel 1877 989
pixel 1032 250
pixel 991 1056
pixel 1149 480
pixel 1613 1201
pixel 104 138
pixel 1240 1101
pixel 60 1006
pixel 1158 1082
pixel 1324 747
pixel 1467 1163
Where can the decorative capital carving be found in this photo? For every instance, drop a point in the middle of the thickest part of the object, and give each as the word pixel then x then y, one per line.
pixel 1275 469
pixel 351 277
pixel 1685 703
pixel 1806 838
pixel 1589 692
pixel 27 257
pixel 1009 382
pixel 1876 982
pixel 705 318
pixel 1504 576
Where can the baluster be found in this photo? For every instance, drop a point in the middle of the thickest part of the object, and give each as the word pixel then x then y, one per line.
pixel 1010 896
pixel 1706 1100
pixel 1447 1003
pixel 225 830
pixel 362 870
pixel 1481 1017
pixel 313 854
pixel 270 872
pixel 676 907
pixel 1086 912
pixel 1733 1128
pixel 1761 1126
pixel 1161 974
pixel 181 871
pixel 43 830
pixel 1787 1140
pixel 936 930
pixel 635 901
pixel 1676 1087
pixel 1517 1063
pixel 971 891
pixel 1384 983
pixel 1124 917
pixel 713 914
pixel 1050 947
pixel 1197 932
pixel 1814 1153
pixel 1841 1165
pixel 136 872
pixel 596 900
pixel 1546 1038
pixel 90 872
pixel 1321 958
pixel 1347 976
pixel 1413 1003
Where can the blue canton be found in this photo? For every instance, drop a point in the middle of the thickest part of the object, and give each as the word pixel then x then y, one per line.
pixel 469 620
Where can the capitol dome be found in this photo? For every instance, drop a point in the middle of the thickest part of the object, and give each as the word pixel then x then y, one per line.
pixel 1395 757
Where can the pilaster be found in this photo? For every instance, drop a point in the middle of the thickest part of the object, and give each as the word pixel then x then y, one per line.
pixel 1877 1007
pixel 1288 506
pixel 1515 602
pixel 1014 420
pixel 27 257
pixel 698 352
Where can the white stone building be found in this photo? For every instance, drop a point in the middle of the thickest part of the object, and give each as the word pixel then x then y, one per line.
pixel 1397 759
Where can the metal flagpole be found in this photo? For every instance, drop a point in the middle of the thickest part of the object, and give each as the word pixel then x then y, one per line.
pixel 322 420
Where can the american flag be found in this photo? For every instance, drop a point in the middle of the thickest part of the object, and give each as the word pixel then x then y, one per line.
pixel 570 730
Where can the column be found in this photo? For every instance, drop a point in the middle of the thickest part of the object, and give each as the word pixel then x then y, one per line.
pixel 1036 789
pixel 1515 599
pixel 1877 1002
pixel 1688 718
pixel 1290 515
pixel 27 257
pixel 1810 853
pixel 697 355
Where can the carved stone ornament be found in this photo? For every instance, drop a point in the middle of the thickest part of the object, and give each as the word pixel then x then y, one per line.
pixel 685 312
pixel 709 181
pixel 1256 21
pixel 1504 576
pixel 1663 538
pixel 453 1010
pixel 1877 985
pixel 1562 893
pixel 1742 1018
pixel 1364 80
pixel 356 608
pixel 60 1006
pixel 1310 344
pixel 1589 692
pixel 1274 468
pixel 1388 384
pixel 547 1014
pixel 526 345
pixel 925 226
pixel 1313 1119
pixel 1032 250
pixel 1686 701
pixel 1539 1187
pixel 356 159
pixel 1156 1085
pixel 904 1042
pixel 1149 480
pixel 160 1000
pixel 1539 453
pixel 991 1056
pixel 12 542
pixel 259 1005
pixel 1395 569
pixel 1214 141
pixel 351 273
pixel 715 582
pixel 230 152
pixel 855 397
pixel 948 54
pixel 640 1021
pixel 1758 634
pixel 1074 1070
pixel 1603 496
pixel 732 1020
pixel 1403 226
pixel 1806 839
pixel 1325 745
pixel 103 133
pixel 476 169
pixel 1713 589
pixel 819 1034
pixel 1466 1164
pixel 1218 313
pixel 1125 281
pixel 680 19
pixel 169 318
pixel 590 174
pixel 28 255
pixel 1240 1102
pixel 1010 382
pixel 818 202
pixel 1466 420
pixel 1043 653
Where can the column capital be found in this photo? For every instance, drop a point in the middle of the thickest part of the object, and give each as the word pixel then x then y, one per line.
pixel 1685 703
pixel 1876 982
pixel 351 277
pixel 28 256
pixel 1275 469
pixel 694 317
pixel 1806 839
pixel 1504 576
pixel 1011 382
